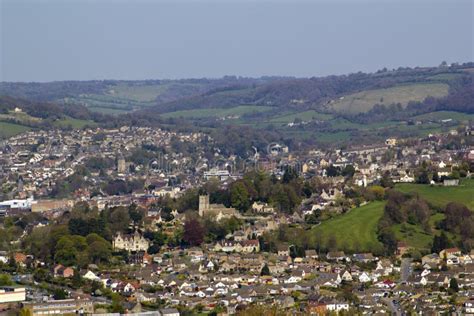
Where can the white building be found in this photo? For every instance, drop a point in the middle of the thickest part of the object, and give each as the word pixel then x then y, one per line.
pixel 12 294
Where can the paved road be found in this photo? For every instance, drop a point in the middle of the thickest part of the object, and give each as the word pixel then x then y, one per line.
pixel 406 269
pixel 394 308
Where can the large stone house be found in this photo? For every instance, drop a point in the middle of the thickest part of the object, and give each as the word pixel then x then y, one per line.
pixel 132 242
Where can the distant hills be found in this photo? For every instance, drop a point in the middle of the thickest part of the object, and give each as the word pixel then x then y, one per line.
pixel 330 109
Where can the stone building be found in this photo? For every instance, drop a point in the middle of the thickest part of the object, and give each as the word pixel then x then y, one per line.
pixel 217 211
pixel 132 242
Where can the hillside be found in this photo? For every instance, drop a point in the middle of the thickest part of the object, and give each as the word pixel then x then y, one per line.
pixel 356 230
pixel 365 101
pixel 20 115
pixel 332 110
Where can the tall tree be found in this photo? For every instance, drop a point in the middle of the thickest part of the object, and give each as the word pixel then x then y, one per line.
pixel 194 232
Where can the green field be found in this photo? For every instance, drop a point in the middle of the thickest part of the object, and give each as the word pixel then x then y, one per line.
pixel 74 123
pixel 444 115
pixel 105 110
pixel 365 100
pixel 141 93
pixel 304 116
pixel 440 196
pixel 9 129
pixel 357 229
pixel 219 112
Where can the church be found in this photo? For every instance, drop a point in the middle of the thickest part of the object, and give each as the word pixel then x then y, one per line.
pixel 217 211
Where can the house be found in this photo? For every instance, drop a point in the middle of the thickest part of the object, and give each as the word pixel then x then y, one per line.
pixel 402 248
pixel 336 256
pixel 249 246
pixel 62 271
pixel 133 242
pixel 264 208
pixel 431 260
pixel 283 250
pixel 364 257
pixel 346 276
pixel 169 312
pixel 89 275
pixel 311 253
pixel 364 277
pixel 449 253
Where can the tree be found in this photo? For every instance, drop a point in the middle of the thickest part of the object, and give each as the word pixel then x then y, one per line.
pixel 100 251
pixel 239 196
pixel 332 242
pixel 59 294
pixel 348 171
pixel 422 177
pixel 332 171
pixel 65 251
pixel 5 280
pixel 453 285
pixel 194 232
pixel 25 312
pixel 387 181
pixel 387 237
pixel 440 242
pixel 265 270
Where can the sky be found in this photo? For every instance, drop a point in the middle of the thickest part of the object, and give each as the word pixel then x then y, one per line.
pixel 49 40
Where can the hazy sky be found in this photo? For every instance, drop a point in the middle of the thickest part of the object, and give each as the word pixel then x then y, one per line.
pixel 70 39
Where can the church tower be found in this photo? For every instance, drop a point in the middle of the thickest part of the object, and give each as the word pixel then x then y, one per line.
pixel 203 204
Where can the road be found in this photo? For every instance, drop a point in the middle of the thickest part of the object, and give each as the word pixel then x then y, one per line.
pixel 406 269
pixel 394 308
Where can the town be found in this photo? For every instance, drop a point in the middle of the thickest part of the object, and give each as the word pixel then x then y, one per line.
pixel 146 221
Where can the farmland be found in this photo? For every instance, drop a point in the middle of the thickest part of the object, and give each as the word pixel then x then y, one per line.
pixel 217 113
pixel 365 100
pixel 440 196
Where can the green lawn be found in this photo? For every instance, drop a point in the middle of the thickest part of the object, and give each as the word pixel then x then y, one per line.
pixel 365 100
pixel 440 196
pixel 8 129
pixel 217 112
pixel 357 229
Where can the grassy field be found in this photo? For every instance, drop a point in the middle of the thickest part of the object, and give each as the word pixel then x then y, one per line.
pixel 414 235
pixel 365 100
pixel 444 115
pixel 104 110
pixel 74 123
pixel 205 113
pixel 9 129
pixel 142 93
pixel 357 228
pixel 304 116
pixel 440 196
